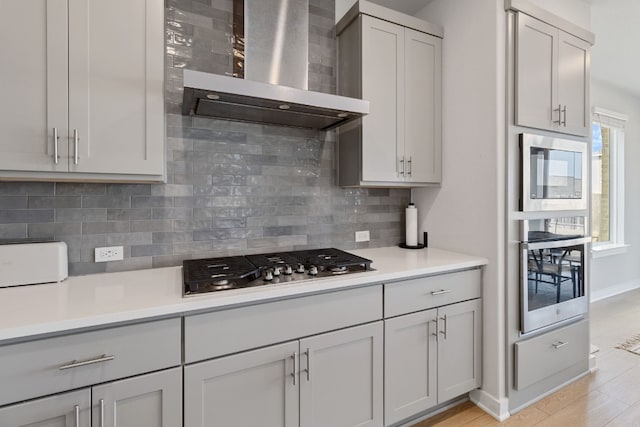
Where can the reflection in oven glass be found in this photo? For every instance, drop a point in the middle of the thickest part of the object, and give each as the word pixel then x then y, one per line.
pixel 554 276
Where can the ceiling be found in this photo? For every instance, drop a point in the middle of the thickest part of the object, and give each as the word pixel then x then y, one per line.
pixel 410 7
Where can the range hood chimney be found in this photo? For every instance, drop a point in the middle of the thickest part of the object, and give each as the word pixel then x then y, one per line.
pixel 271 74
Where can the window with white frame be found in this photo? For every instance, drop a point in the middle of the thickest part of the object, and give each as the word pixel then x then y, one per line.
pixel 607 180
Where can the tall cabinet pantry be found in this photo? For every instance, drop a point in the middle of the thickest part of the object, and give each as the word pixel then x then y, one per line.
pixel 395 62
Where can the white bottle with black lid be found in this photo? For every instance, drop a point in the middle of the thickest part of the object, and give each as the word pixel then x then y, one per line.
pixel 411 227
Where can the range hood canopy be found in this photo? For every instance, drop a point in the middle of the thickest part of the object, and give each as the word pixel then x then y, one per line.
pixel 271 72
pixel 215 95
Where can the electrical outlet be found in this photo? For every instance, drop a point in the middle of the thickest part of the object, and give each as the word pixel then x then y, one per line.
pixel 362 236
pixel 109 253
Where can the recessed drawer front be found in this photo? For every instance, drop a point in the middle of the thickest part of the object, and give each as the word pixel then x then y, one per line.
pixel 541 357
pixel 431 291
pixel 51 365
pixel 223 332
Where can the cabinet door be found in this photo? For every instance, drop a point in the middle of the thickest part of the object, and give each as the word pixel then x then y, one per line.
pixel 459 336
pixel 536 74
pixel 153 400
pixel 62 410
pixel 255 388
pixel 33 84
pixel 423 110
pixel 383 86
pixel 410 352
pixel 116 56
pixel 573 84
pixel 341 378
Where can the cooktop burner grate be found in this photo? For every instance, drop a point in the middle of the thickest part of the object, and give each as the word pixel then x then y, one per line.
pixel 218 274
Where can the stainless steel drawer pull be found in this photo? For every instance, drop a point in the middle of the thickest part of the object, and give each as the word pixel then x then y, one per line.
pixel 56 157
pixel 435 325
pixel 76 416
pixel 559 110
pixel 77 364
pixel 564 111
pixel 440 292
pixel 76 139
pixel 101 412
pixel 410 166
pixel 295 367
pixel 308 370
pixel 402 166
pixel 560 344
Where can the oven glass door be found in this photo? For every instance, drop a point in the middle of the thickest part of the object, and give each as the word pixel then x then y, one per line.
pixel 553 282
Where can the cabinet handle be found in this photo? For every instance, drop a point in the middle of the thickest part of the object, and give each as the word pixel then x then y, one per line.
pixel 559 110
pixel 435 326
pixel 76 139
pixel 444 333
pixel 410 166
pixel 402 166
pixel 56 157
pixel 560 344
pixel 295 367
pixel 76 415
pixel 308 370
pixel 101 412
pixel 564 111
pixel 440 292
pixel 77 364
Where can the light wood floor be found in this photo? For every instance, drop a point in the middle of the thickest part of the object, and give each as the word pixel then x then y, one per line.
pixel 609 397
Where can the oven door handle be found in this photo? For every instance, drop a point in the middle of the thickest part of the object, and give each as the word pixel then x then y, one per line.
pixel 532 246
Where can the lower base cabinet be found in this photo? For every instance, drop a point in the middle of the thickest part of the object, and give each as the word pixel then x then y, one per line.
pixel 333 379
pixel 430 357
pixel 152 400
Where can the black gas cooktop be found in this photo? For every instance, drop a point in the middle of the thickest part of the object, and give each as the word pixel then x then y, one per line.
pixel 219 274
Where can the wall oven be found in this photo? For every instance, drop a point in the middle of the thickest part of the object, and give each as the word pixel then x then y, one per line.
pixel 554 173
pixel 554 254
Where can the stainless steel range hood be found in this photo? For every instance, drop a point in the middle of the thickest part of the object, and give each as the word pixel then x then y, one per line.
pixel 272 56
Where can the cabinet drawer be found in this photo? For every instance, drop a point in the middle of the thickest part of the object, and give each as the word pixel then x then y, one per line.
pixel 223 332
pixel 50 365
pixel 432 291
pixel 545 355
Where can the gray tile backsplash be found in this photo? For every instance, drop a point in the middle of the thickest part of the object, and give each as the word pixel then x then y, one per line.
pixel 232 188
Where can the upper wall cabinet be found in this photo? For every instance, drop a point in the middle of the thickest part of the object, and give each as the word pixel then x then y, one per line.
pixel 397 68
pixel 82 90
pixel 552 78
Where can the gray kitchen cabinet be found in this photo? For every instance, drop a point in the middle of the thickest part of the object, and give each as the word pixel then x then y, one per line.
pixel 254 388
pixel 82 105
pixel 398 70
pixel 341 378
pixel 432 355
pixel 552 78
pixel 62 410
pixel 332 379
pixel 153 400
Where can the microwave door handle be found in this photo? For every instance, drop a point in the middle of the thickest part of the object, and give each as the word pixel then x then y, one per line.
pixel 532 246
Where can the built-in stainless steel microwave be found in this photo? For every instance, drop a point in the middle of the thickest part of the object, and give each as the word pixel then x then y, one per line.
pixel 554 173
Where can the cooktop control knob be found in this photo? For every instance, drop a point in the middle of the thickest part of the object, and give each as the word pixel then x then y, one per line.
pixel 276 271
pixel 268 276
pixel 313 270
pixel 300 268
pixel 288 270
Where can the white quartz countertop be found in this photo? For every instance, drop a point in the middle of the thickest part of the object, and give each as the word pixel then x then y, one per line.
pixel 102 299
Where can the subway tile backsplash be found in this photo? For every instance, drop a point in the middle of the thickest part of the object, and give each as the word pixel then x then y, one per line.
pixel 232 188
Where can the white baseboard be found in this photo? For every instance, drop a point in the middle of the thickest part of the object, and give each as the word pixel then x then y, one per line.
pixel 497 408
pixel 610 291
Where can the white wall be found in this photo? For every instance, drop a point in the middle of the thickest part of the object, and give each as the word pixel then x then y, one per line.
pixel 466 213
pixel 618 273
pixel 575 11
